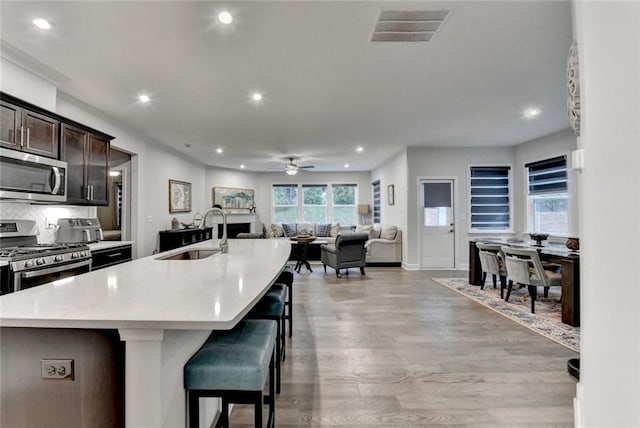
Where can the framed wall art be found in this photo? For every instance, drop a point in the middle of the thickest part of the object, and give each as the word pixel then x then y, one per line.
pixel 233 199
pixel 179 196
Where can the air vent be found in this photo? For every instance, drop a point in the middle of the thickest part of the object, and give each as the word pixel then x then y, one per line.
pixel 408 25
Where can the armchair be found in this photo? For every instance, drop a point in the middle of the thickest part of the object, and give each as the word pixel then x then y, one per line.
pixel 348 251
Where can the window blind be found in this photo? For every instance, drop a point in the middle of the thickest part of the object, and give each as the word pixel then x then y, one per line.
pixel 490 198
pixel 548 176
pixel 376 201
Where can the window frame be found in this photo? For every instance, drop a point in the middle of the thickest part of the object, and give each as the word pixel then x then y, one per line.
pixel 508 230
pixel 300 200
pixel 354 206
pixel 530 198
pixel 300 214
pixel 273 205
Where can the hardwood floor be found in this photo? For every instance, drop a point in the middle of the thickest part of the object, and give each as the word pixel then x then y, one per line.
pixel 395 349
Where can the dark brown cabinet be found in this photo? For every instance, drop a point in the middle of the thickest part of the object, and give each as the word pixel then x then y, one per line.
pixel 110 256
pixel 87 157
pixel 28 131
pixel 170 239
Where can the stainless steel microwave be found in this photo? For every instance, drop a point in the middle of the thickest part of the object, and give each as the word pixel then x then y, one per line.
pixel 24 176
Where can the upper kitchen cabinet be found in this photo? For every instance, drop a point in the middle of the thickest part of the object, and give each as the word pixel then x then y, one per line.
pixel 87 157
pixel 24 129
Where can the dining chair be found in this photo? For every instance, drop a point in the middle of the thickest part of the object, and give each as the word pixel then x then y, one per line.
pixel 491 262
pixel 524 267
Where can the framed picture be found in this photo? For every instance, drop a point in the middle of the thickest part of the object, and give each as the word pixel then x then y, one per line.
pixel 391 194
pixel 179 196
pixel 234 199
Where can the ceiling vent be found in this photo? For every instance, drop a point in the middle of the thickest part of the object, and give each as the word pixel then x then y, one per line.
pixel 408 25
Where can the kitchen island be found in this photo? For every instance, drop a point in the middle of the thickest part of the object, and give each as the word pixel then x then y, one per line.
pixel 162 309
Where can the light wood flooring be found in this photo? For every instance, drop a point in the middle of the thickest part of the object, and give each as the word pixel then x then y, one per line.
pixel 395 349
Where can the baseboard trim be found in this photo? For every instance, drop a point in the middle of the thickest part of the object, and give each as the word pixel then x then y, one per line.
pixel 577 407
pixel 409 266
pixel 384 264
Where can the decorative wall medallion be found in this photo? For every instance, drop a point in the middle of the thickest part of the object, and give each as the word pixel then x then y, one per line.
pixel 573 89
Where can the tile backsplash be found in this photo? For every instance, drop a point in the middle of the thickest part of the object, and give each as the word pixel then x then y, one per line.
pixel 44 215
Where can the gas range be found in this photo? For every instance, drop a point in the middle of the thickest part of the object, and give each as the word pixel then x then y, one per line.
pixel 43 255
pixel 31 264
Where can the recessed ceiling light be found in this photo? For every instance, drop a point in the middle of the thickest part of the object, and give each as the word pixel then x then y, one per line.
pixel 144 98
pixel 242 166
pixel 530 113
pixel 256 96
pixel 359 149
pixel 42 24
pixel 346 165
pixel 218 150
pixel 225 17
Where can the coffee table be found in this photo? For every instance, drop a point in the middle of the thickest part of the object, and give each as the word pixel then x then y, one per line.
pixel 303 247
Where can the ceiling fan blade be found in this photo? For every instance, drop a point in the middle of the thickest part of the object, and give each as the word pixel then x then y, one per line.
pixel 306 166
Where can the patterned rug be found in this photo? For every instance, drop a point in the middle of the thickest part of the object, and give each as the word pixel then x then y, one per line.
pixel 546 321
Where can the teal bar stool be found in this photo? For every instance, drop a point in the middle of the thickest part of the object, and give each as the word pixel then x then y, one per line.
pixel 233 365
pixel 286 278
pixel 271 307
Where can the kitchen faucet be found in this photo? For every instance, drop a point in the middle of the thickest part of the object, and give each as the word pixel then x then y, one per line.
pixel 224 245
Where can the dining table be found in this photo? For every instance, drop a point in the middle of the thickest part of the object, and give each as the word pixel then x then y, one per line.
pixel 558 253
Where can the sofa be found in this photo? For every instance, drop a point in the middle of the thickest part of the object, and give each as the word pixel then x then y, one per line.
pixel 384 246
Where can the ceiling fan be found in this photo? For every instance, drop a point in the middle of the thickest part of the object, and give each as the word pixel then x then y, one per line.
pixel 292 168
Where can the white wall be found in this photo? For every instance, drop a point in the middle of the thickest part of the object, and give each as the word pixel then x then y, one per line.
pixel 394 171
pixel 558 144
pixel 454 163
pixel 21 83
pixel 608 35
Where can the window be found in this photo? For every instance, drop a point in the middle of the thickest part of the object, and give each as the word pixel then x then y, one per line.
pixel 285 203
pixel 314 203
pixel 344 203
pixel 548 196
pixel 376 201
pixel 490 204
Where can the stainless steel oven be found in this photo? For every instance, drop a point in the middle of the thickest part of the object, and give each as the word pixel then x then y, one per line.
pixel 32 277
pixel 30 177
pixel 30 264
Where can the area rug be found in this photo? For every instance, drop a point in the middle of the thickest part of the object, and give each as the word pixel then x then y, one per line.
pixel 546 321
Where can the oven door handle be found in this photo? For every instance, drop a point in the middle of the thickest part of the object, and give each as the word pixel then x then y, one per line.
pixel 56 173
pixel 33 274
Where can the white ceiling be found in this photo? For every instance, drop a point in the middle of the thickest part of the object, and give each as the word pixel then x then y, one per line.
pixel 327 88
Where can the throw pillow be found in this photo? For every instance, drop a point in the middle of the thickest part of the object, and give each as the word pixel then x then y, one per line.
pixel 335 228
pixel 388 232
pixel 289 229
pixel 276 230
pixel 323 230
pixel 374 233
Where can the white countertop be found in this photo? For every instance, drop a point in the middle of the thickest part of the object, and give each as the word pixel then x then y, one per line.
pixel 102 245
pixel 210 293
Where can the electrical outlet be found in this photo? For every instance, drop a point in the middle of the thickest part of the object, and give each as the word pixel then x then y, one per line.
pixel 56 369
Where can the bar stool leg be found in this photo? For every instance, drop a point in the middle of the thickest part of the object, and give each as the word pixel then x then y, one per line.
pixel 194 410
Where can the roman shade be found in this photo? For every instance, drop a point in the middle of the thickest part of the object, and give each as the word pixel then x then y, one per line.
pixel 547 176
pixel 490 198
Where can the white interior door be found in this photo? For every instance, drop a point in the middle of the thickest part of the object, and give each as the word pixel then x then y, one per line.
pixel 437 231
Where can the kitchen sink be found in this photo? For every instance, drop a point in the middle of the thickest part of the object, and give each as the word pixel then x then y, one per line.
pixel 191 255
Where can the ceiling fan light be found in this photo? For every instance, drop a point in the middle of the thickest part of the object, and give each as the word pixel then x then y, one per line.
pixel 291 171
